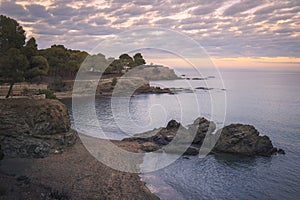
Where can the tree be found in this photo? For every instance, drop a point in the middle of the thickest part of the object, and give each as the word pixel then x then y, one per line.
pixel 125 59
pixel 138 59
pixel 12 35
pixel 12 68
pixel 62 61
pixel 18 62
pixel 38 67
pixel 30 48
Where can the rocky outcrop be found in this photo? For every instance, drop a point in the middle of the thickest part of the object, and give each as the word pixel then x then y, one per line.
pixel 154 72
pixel 234 139
pixel 244 140
pixel 34 128
pixel 158 138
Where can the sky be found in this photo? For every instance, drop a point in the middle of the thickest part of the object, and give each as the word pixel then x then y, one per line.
pixel 242 33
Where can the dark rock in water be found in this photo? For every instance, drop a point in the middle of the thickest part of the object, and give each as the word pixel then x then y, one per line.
pixel 203 88
pixel 201 127
pixel 194 135
pixel 281 151
pixel 234 139
pixel 200 79
pixel 243 140
pixel 34 128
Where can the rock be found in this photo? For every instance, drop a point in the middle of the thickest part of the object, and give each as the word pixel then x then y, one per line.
pixel 203 88
pixel 34 128
pixel 129 86
pixel 281 151
pixel 155 72
pixel 194 135
pixel 24 179
pixel 172 124
pixel 235 139
pixel 202 127
pixel 244 140
pixel 1 153
pixel 199 79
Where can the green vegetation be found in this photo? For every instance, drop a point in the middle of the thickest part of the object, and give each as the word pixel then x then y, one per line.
pixel 63 62
pixel 48 93
pixel 22 61
pixel 114 81
pixel 18 62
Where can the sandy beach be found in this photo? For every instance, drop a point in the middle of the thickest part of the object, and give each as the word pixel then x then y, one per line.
pixel 74 174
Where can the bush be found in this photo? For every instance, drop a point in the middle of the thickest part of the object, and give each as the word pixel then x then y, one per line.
pixel 27 92
pixel 114 81
pixel 49 94
pixel 57 85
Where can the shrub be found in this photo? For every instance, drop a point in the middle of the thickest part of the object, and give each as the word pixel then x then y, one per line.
pixel 49 94
pixel 114 81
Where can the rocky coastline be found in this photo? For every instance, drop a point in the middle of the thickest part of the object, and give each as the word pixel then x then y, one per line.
pixel 43 157
pixel 236 139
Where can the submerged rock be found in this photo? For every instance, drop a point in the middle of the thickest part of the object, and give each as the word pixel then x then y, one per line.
pixel 244 140
pixel 34 128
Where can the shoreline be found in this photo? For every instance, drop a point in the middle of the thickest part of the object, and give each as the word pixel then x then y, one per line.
pixel 74 173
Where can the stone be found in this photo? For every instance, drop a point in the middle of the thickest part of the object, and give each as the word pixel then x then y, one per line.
pixel 34 128
pixel 244 140
pixel 234 139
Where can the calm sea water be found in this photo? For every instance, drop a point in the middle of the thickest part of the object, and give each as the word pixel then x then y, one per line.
pixel 269 99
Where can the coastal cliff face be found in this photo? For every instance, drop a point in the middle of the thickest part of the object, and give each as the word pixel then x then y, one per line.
pixel 154 73
pixel 34 128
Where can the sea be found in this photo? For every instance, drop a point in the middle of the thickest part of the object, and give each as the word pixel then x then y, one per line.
pixel 267 98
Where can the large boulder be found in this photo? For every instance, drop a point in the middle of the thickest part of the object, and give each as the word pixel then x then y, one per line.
pixel 244 140
pixel 34 128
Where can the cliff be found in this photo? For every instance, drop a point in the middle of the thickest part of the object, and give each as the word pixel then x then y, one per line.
pixel 155 72
pixel 34 128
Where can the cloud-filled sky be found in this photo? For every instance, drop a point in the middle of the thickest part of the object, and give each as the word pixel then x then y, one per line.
pixel 237 29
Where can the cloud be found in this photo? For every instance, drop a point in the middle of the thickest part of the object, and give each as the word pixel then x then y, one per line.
pixel 207 7
pixel 12 9
pixel 37 11
pixel 243 6
pixel 223 28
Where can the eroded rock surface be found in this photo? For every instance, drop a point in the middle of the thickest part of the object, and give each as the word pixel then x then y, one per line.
pixel 234 139
pixel 34 128
pixel 244 140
